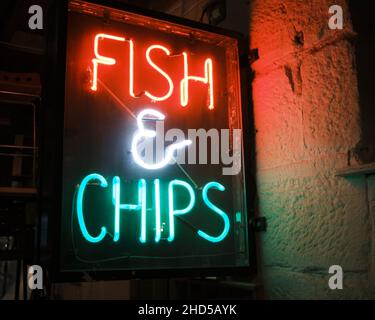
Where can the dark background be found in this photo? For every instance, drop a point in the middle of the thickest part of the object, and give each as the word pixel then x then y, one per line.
pixel 24 51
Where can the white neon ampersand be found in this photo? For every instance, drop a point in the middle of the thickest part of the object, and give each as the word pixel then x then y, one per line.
pixel 146 133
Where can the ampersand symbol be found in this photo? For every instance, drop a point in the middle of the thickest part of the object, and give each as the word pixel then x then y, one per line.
pixel 143 133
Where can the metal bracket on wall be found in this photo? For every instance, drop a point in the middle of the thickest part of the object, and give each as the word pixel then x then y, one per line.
pixel 260 224
pixel 253 55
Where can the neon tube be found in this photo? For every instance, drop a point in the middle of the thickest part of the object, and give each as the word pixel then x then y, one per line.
pixel 157 210
pixel 99 59
pixel 163 73
pixel 172 210
pixel 131 207
pixel 81 219
pixel 207 79
pixel 131 69
pixel 221 213
pixel 146 133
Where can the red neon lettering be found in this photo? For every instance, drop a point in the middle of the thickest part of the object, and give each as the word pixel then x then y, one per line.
pixel 164 74
pixel 101 59
pixel 184 83
pixel 207 79
pixel 131 69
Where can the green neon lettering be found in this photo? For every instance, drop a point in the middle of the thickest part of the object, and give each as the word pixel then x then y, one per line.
pixel 172 210
pixel 131 207
pixel 81 220
pixel 221 213
pixel 238 217
pixel 157 210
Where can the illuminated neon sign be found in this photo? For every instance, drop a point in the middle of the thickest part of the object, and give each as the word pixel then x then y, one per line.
pixel 146 103
pixel 207 79
pixel 141 208
pixel 99 59
pixel 142 133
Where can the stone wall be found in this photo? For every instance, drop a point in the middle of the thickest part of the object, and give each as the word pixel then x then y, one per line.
pixel 307 120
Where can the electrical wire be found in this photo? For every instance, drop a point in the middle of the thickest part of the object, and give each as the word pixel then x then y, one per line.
pixel 122 104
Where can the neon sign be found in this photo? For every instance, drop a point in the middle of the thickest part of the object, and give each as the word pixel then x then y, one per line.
pixel 141 208
pixel 136 197
pixel 184 83
pixel 99 59
pixel 207 79
pixel 81 220
pixel 142 133
pixel 165 75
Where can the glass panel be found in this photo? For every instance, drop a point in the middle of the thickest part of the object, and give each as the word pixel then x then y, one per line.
pixel 129 209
